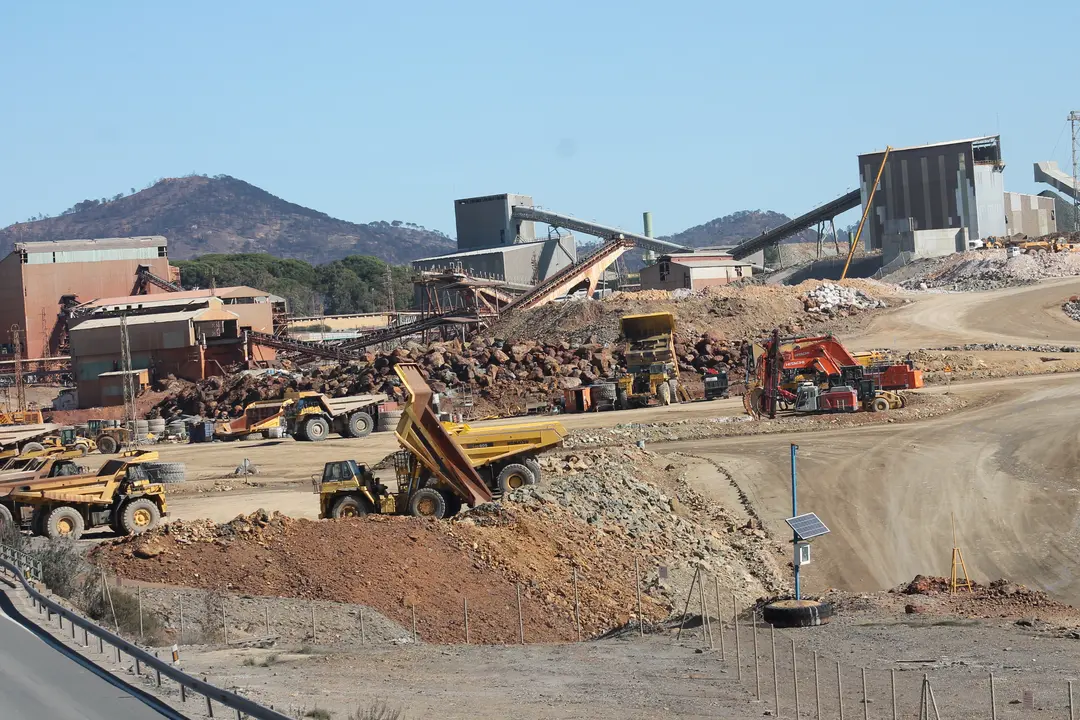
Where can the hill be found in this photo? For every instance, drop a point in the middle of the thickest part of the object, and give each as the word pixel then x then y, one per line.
pixel 202 215
pixel 734 228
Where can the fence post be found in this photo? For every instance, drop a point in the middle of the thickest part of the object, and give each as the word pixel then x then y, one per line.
pixel 1070 701
pixel 521 619
pixel 414 622
pixel 465 606
pixel 775 675
pixel 840 690
pixel 577 607
pixel 637 591
pixel 795 677
pixel 892 686
pixel 224 624
pixel 738 642
pixel 181 618
pixel 686 608
pixel 314 632
pixel 757 664
pixel 720 619
pixel 138 591
pixel 817 689
pixel 706 623
pixel 266 619
pixel 865 699
pixel 363 631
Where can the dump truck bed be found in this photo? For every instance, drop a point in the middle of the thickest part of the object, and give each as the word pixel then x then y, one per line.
pixel 497 442
pixel 351 403
pixel 421 432
pixel 17 434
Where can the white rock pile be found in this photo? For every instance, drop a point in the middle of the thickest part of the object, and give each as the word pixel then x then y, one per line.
pixel 830 298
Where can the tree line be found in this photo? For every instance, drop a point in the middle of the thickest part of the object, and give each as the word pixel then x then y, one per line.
pixel 354 284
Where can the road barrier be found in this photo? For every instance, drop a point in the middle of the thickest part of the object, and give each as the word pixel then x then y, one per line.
pixel 14 561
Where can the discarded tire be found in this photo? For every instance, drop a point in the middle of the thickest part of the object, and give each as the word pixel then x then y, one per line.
pixel 388 420
pixel 31 447
pixel 164 472
pixel 797 613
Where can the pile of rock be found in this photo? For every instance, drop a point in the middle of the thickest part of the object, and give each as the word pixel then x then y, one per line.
pixel 503 373
pixel 832 299
pixel 1072 307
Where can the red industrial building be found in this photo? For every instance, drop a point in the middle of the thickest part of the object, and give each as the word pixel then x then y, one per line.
pixel 36 276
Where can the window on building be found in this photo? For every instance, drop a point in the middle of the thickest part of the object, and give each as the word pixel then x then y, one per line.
pixel 162 251
pixel 686 280
pixel 665 268
pixel 738 271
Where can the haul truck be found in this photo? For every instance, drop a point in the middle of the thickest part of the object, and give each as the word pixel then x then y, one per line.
pixel 258 418
pixel 313 416
pixel 652 368
pixel 440 467
pixel 119 495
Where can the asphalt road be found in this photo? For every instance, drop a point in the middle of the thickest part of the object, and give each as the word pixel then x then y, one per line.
pixel 39 679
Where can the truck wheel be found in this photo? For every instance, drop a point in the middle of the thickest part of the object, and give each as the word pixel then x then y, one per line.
pixel 6 520
pixel 316 429
pixel 64 522
pixel 138 516
pixel 663 394
pixel 797 613
pixel 453 502
pixel 427 503
pixel 31 447
pixel 349 506
pixel 879 405
pixel 83 449
pixel 622 402
pixel 514 476
pixel 107 445
pixel 534 467
pixel 359 425
pixel 37 522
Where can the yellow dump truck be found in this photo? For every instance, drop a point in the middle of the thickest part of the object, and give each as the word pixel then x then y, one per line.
pixel 313 416
pixel 119 495
pixel 440 467
pixel 652 372
pixel 258 419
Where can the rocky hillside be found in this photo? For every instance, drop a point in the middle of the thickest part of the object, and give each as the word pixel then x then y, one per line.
pixel 201 215
pixel 734 228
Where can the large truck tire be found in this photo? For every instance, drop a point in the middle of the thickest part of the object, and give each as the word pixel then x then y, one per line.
pixel 349 506
pixel 6 519
pixel 534 467
pixel 107 445
pixel 316 429
pixel 663 394
pixel 37 522
pixel 64 522
pixel 453 502
pixel 359 425
pixel 166 472
pixel 138 516
pixel 514 476
pixel 427 503
pixel 797 613
pixel 31 447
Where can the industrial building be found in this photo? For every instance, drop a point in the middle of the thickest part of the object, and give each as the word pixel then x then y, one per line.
pixel 191 334
pixel 1031 215
pixel 36 276
pixel 933 199
pixel 493 244
pixel 694 271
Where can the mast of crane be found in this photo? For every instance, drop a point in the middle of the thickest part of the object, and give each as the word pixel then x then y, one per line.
pixel 1074 122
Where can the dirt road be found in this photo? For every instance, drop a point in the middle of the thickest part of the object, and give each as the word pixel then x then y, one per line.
pixel 1006 470
pixel 1024 315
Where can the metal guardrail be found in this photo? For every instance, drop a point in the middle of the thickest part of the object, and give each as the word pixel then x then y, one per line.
pixel 30 565
pixel 242 706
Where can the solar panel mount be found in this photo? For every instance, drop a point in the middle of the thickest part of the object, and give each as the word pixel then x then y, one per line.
pixel 807 526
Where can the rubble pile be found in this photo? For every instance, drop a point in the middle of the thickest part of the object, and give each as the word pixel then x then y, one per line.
pixel 503 373
pixel 832 299
pixel 1072 307
pixel 988 270
pixel 669 523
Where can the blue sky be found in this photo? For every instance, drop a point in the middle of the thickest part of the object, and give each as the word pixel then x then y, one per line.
pixel 602 109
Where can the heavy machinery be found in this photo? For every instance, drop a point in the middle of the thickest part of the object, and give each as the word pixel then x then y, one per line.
pixel 259 418
pixel 119 495
pixel 21 417
pixel 39 467
pixel 716 383
pixel 818 374
pixel 652 369
pixel 64 442
pixel 313 416
pixel 441 466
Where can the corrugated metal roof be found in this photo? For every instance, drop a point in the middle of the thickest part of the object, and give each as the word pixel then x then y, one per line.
pixel 930 145
pixel 237 291
pixel 93 244
pixel 197 314
pixel 709 262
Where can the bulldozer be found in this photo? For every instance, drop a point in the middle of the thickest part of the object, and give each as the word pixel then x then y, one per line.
pixel 441 467
pixel 813 374
pixel 652 373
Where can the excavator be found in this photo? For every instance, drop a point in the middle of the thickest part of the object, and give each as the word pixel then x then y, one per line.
pixel 818 374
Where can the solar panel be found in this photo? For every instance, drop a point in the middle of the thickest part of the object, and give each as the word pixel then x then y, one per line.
pixel 807 526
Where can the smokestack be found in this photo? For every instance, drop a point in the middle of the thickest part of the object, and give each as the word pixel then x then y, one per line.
pixel 648 256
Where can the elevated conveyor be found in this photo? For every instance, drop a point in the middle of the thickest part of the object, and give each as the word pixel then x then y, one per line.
pixel 847 201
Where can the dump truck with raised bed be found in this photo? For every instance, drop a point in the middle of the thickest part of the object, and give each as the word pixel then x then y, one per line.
pixel 652 370
pixel 441 466
pixel 312 416
pixel 119 495
pixel 258 419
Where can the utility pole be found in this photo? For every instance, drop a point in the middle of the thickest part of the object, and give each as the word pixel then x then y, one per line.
pixel 1074 122
pixel 20 386
pixel 128 380
pixel 388 280
pixel 795 513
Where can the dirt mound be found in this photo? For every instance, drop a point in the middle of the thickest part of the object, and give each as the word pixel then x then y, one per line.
pixel 986 270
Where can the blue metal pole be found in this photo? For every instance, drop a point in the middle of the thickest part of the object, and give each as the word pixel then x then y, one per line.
pixel 794 513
